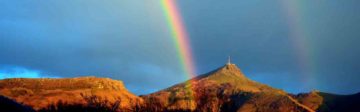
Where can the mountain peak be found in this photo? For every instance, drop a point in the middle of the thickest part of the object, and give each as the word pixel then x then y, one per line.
pixel 231 68
pixel 228 70
pixel 227 80
pixel 232 75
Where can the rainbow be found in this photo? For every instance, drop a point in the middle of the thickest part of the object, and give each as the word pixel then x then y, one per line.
pixel 299 36
pixel 180 38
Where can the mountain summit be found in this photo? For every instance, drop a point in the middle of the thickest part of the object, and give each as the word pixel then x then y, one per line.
pixel 225 89
pixel 232 75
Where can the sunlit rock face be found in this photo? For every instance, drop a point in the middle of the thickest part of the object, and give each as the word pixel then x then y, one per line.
pixel 44 93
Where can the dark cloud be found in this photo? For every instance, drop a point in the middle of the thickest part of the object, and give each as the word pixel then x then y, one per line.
pixel 130 41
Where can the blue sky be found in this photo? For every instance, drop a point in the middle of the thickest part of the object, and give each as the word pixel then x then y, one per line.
pixel 129 40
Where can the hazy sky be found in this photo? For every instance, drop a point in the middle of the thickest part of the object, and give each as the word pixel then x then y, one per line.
pixel 295 45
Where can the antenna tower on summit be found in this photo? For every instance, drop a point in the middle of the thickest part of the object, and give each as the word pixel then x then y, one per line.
pixel 229 60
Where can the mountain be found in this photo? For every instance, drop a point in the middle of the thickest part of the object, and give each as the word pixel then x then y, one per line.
pixel 47 94
pixel 225 89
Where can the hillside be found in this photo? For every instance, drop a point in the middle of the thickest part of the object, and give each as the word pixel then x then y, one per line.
pixel 8 105
pixel 45 93
pixel 327 102
pixel 225 89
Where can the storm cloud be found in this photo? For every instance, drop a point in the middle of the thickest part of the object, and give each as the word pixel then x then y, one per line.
pixel 129 40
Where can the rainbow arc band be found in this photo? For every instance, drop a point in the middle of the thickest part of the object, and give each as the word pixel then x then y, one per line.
pixel 181 39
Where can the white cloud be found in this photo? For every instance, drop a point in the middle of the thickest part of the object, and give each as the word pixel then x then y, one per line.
pixel 20 72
